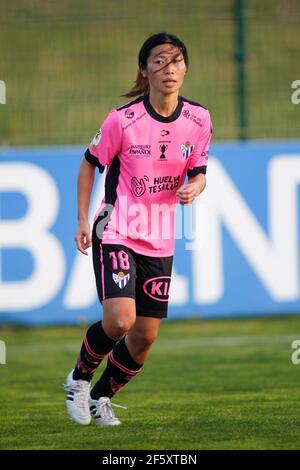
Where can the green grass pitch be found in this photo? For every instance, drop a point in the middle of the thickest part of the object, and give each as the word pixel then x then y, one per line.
pixel 222 384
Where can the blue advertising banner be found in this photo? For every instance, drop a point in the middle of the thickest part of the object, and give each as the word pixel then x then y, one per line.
pixel 237 247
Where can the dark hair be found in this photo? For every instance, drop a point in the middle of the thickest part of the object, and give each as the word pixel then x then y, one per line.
pixel 141 84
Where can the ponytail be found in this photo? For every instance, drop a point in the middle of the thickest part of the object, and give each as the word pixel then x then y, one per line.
pixel 141 86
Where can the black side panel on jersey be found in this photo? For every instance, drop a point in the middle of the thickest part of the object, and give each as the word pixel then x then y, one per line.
pixel 111 185
pixel 112 181
pixel 93 160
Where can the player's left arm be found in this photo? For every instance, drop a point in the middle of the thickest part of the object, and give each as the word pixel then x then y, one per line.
pixel 196 185
pixel 197 164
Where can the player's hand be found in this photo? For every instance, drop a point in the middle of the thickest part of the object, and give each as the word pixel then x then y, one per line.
pixel 187 193
pixel 83 237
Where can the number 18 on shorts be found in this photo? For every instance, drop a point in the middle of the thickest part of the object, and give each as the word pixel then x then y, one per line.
pixel 121 272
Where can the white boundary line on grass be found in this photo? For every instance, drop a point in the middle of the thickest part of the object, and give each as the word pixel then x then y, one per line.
pixel 184 343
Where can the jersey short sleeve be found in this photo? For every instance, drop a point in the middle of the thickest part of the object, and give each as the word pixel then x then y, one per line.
pixel 107 142
pixel 198 160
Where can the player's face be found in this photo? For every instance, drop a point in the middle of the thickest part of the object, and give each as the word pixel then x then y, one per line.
pixel 165 69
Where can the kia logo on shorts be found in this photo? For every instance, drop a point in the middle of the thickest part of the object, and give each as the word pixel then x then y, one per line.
pixel 158 288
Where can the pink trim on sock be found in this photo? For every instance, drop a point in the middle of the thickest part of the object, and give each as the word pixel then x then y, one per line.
pixel 124 369
pixel 90 351
pixel 102 272
pixel 115 387
pixel 84 369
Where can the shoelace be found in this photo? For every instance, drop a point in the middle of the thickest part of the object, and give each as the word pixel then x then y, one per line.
pixel 105 409
pixel 118 406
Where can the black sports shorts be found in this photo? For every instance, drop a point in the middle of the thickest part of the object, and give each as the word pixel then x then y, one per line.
pixel 121 272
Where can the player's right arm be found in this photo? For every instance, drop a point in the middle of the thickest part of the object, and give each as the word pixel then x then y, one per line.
pixel 85 183
pixel 100 153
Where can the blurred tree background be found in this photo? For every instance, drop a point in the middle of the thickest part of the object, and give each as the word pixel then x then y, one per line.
pixel 66 63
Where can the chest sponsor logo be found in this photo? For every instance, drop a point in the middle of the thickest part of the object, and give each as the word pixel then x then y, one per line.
pixel 160 183
pixel 121 279
pixel 138 186
pixel 163 149
pixel 140 151
pixel 129 113
pixel 192 117
pixel 164 183
pixel 158 288
pixel 187 149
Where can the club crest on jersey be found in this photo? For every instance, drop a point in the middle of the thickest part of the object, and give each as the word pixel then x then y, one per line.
pixel 96 140
pixel 121 279
pixel 187 149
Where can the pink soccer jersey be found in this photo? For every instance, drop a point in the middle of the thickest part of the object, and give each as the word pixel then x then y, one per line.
pixel 147 157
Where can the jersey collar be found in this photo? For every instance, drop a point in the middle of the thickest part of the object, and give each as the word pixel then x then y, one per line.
pixel 150 110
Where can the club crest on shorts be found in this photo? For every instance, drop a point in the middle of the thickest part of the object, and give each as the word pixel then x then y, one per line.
pixel 187 149
pixel 96 139
pixel 121 279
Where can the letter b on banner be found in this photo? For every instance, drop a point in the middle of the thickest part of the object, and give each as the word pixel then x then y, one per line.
pixel 32 233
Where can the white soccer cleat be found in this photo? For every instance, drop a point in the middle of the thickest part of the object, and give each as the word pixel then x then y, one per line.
pixel 78 392
pixel 103 413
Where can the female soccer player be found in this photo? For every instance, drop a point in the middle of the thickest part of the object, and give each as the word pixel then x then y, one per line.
pixel 148 146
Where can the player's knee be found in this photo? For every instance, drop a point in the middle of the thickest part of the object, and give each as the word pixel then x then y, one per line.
pixel 144 339
pixel 118 318
pixel 117 328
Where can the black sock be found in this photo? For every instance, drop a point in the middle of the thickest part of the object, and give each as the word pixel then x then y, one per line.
pixel 95 346
pixel 120 369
